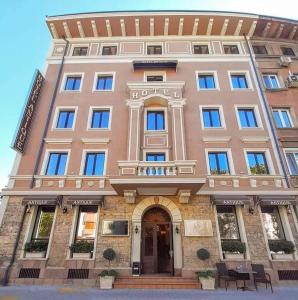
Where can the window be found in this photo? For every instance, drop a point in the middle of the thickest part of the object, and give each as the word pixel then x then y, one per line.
pixel 272 223
pixel 218 163
pixel 200 49
pixel 287 51
pixel 94 164
pixel 282 118
pixel 73 83
pixel 211 118
pixel 227 223
pixel 259 49
pixel 100 119
pixel 109 50
pixel 257 163
pixel 86 224
pixel 231 49
pixel 119 227
pixel 65 119
pixel 104 83
pixel 271 81
pixel 155 120
pixel 56 164
pixel 247 117
pixel 154 78
pixel 80 51
pixel 155 157
pixel 292 159
pixel 206 81
pixel 154 50
pixel 239 81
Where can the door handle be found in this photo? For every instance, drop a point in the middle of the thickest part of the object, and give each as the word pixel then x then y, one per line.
pixel 171 253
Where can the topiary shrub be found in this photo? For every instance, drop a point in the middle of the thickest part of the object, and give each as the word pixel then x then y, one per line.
pixel 282 246
pixel 82 247
pixel 36 246
pixel 205 274
pixel 109 254
pixel 105 273
pixel 203 254
pixel 233 246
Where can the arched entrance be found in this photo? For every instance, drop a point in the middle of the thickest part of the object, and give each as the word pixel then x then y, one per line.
pixel 157 242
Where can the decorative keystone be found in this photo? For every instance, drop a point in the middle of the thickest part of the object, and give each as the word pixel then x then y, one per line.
pixel 184 196
pixel 130 196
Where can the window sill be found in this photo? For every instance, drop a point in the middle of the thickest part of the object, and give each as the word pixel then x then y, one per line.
pixel 102 91
pixel 70 91
pixel 100 129
pixel 276 90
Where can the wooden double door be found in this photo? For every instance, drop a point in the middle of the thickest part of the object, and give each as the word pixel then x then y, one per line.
pixel 157 245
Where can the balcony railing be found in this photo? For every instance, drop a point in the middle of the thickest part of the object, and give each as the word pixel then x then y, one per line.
pixel 157 169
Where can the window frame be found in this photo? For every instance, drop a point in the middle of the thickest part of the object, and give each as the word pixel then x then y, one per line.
pixel 247 77
pixel 229 157
pixel 282 48
pixel 277 80
pixel 83 162
pixel 103 74
pixel 102 45
pixel 74 46
pixel 90 115
pixel 58 109
pixel 221 115
pixel 64 79
pixel 46 161
pixel 157 151
pixel 255 45
pixel 152 44
pixel 257 116
pixel 279 110
pixel 155 73
pixel 210 48
pixel 200 45
pixel 223 44
pixel 292 151
pixel 148 109
pixel 207 72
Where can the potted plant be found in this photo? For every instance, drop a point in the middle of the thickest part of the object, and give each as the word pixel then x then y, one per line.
pixel 36 249
pixel 283 250
pixel 82 249
pixel 206 277
pixel 107 277
pixel 233 249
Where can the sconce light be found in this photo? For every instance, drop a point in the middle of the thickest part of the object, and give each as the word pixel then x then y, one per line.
pixel 289 210
pixel 28 209
pixel 136 229
pixel 177 229
pixel 251 210
pixel 64 210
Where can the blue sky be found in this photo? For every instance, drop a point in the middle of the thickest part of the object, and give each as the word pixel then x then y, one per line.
pixel 25 42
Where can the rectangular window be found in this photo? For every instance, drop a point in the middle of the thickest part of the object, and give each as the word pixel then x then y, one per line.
pixel 239 81
pixel 271 81
pixel 200 49
pixel 257 163
pixel 287 51
pixel 109 50
pixel 206 81
pixel 152 78
pixel 247 117
pixel 94 164
pixel 86 224
pixel 218 163
pixel 231 49
pixel 155 157
pixel 73 83
pixel 272 223
pixel 259 49
pixel 117 227
pixel 43 223
pixel 211 118
pixel 56 164
pixel 104 83
pixel 80 51
pixel 227 223
pixel 282 118
pixel 100 119
pixel 155 120
pixel 65 119
pixel 292 159
pixel 154 50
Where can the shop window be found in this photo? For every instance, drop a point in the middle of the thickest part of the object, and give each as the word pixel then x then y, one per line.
pixel 227 223
pixel 272 223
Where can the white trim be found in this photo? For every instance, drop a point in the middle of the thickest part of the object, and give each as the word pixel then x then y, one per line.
pixel 247 78
pixel 56 115
pixel 97 74
pixel 71 74
pixel 79 46
pixel 155 73
pixel 107 44
pixel 207 72
pixel 46 160
pixel 157 108
pixel 229 156
pixel 91 109
pixel 83 161
pixel 221 115
pixel 255 108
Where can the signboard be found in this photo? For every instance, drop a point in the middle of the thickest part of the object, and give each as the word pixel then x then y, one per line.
pixel 85 200
pixel 277 200
pixel 42 200
pixel 29 109
pixel 198 228
pixel 230 200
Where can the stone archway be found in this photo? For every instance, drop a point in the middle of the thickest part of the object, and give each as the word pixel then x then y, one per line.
pixel 175 215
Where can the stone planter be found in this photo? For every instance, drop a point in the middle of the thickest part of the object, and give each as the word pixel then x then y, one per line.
pixel 207 283
pixel 282 256
pixel 81 255
pixel 35 255
pixel 234 256
pixel 106 282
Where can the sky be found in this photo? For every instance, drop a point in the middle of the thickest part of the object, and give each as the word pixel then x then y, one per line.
pixel 25 42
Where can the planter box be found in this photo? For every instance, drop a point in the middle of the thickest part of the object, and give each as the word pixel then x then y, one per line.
pixel 234 256
pixel 207 283
pixel 81 255
pixel 34 255
pixel 283 256
pixel 106 282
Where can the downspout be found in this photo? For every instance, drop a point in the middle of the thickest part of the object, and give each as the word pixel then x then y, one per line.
pixel 265 103
pixel 40 150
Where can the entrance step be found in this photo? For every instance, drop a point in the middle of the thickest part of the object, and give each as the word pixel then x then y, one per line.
pixel 156 282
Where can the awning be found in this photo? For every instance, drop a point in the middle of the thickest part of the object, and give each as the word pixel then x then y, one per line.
pixel 230 200
pixel 85 200
pixel 42 200
pixel 154 64
pixel 276 200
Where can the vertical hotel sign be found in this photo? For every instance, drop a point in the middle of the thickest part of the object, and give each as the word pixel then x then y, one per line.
pixel 28 113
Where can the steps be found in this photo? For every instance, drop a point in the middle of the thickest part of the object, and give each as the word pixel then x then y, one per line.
pixel 156 282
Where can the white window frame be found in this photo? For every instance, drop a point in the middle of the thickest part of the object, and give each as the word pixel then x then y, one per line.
pixel 221 115
pixel 257 116
pixel 164 109
pixel 207 72
pixel 277 80
pixel 98 74
pixel 238 44
pixel 210 49
pixel 157 43
pixel 79 46
pixel 247 77
pixel 267 157
pixel 281 117
pixel 56 116
pixel 155 73
pixel 290 150
pixel 91 109
pixel 46 160
pixel 229 156
pixel 83 161
pixel 162 150
pixel 108 45
pixel 72 74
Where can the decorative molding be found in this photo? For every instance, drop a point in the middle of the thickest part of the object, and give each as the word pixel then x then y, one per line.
pixel 217 139
pixel 95 140
pixel 255 139
pixel 184 196
pixel 130 196
pixel 57 141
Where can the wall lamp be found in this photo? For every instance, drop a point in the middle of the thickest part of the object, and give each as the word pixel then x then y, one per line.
pixel 177 229
pixel 136 229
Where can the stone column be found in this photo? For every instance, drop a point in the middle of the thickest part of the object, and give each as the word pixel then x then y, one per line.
pixel 136 242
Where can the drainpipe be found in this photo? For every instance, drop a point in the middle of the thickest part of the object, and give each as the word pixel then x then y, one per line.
pixel 267 108
pixel 40 150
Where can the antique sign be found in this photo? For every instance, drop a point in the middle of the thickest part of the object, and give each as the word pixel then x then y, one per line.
pixel 29 109
pixel 198 228
pixel 85 200
pixel 42 200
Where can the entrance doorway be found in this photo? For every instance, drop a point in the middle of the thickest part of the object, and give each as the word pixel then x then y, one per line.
pixel 157 244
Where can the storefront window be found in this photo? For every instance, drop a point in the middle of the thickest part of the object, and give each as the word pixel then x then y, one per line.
pixel 227 223
pixel 272 223
pixel 86 226
pixel 43 223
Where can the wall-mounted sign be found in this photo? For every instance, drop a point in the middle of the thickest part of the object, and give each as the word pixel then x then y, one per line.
pixel 198 228
pixel 115 227
pixel 42 200
pixel 29 109
pixel 85 200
